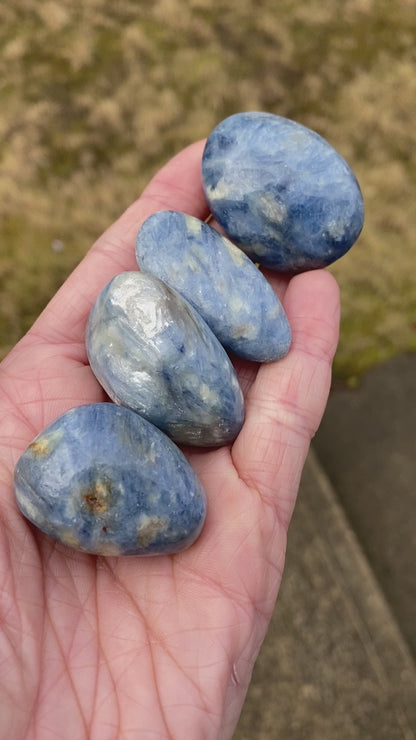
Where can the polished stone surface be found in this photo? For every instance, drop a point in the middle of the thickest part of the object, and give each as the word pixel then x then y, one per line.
pixel 281 192
pixel 152 352
pixel 103 480
pixel 219 280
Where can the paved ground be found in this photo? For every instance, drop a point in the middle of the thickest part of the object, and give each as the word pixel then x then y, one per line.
pixel 367 445
pixel 338 660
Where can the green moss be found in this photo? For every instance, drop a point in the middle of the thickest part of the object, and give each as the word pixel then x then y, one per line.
pixel 32 267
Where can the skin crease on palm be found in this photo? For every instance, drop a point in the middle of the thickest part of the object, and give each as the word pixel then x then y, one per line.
pixel 161 647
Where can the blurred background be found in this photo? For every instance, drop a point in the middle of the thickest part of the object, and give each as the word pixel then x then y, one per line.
pixel 97 95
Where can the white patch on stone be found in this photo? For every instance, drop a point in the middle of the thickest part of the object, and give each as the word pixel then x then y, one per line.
pixel 30 511
pixel 149 528
pixel 192 263
pixel 236 254
pixel 244 331
pixel 207 394
pixel 275 212
pixel 335 229
pixel 275 312
pixel 152 455
pixel 154 497
pixel 236 303
pixel 219 191
pixel 193 225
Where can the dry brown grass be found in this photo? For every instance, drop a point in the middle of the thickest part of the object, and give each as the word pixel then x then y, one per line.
pixel 96 95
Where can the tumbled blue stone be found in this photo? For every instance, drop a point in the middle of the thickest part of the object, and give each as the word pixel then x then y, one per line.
pixel 281 192
pixel 104 480
pixel 220 282
pixel 152 352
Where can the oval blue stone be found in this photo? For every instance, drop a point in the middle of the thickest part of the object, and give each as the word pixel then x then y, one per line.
pixel 281 192
pixel 103 480
pixel 220 282
pixel 152 352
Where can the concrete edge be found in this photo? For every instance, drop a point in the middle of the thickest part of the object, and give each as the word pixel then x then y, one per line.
pixel 380 634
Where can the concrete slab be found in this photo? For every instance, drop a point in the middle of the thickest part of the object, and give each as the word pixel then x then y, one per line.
pixel 367 445
pixel 334 663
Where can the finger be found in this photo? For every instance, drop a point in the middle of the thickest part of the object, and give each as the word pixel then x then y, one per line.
pixel 176 186
pixel 285 404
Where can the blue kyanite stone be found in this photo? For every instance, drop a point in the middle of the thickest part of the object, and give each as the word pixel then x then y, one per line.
pixel 219 280
pixel 103 480
pixel 152 352
pixel 281 192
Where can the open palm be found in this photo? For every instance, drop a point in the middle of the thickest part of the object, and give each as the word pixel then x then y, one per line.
pixel 161 647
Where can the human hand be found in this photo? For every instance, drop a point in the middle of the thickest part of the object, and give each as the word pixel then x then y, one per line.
pixel 161 647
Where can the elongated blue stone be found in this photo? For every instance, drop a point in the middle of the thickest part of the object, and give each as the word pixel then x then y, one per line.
pixel 220 282
pixel 152 352
pixel 104 480
pixel 281 192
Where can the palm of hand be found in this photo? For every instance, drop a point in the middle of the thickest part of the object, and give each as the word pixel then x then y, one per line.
pixel 158 647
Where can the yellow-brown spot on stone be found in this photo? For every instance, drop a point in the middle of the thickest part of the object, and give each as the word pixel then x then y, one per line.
pixel 45 444
pixel 108 549
pixel 97 498
pixel 40 447
pixel 69 538
pixel 149 528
